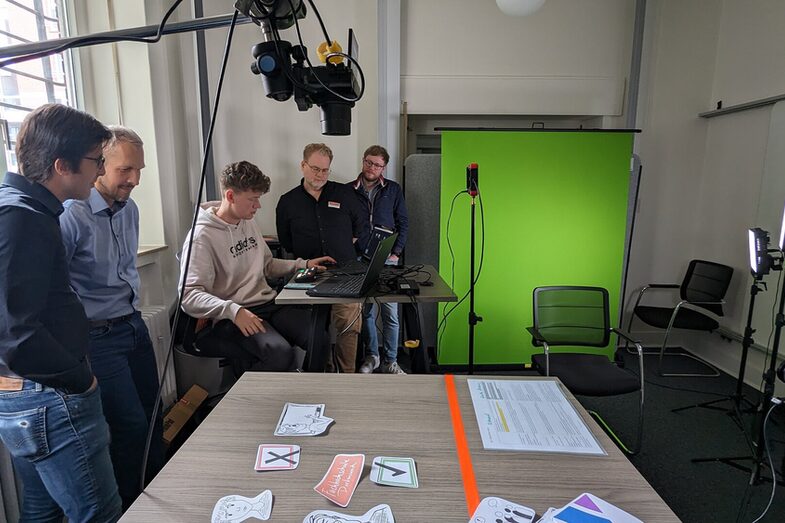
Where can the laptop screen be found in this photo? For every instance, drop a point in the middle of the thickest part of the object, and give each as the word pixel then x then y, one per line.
pixel 378 234
pixel 375 266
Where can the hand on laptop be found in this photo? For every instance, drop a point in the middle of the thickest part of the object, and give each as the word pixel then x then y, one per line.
pixel 248 322
pixel 319 263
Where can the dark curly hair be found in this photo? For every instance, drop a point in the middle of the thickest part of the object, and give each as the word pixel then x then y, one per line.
pixel 244 176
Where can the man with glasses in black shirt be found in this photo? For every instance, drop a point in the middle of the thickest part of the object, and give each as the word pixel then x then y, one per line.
pixel 51 418
pixel 322 218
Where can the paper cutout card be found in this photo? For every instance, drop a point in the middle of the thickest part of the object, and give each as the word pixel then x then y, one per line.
pixel 277 457
pixel 341 478
pixel 395 472
pixel 493 510
pixel 588 508
pixel 236 508
pixel 302 420
pixel 378 514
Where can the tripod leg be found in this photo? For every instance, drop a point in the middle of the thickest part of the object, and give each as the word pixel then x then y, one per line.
pixel 706 405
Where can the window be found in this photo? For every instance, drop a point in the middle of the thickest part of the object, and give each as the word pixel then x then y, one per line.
pixel 27 85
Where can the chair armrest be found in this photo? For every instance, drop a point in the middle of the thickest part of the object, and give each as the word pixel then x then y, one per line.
pixel 625 335
pixel 703 310
pixel 720 302
pixel 653 286
pixel 540 339
pixel 536 334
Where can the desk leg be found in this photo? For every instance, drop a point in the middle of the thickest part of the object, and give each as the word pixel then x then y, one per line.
pixel 318 339
pixel 412 321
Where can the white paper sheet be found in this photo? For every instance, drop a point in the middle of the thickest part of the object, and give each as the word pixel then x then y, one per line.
pixel 302 420
pixel 529 415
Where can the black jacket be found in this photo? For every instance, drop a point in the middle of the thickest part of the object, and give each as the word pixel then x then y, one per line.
pixel 309 228
pixel 43 326
pixel 387 209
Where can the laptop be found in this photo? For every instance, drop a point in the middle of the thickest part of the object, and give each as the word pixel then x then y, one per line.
pixel 378 235
pixel 357 285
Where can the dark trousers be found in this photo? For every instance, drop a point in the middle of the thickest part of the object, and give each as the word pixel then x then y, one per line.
pixel 281 348
pixel 123 360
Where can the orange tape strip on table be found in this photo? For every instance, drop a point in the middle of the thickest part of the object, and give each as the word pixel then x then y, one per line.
pixel 462 447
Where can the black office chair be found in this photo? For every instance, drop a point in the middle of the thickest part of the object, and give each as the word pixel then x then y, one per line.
pixel 579 316
pixel 214 374
pixel 702 290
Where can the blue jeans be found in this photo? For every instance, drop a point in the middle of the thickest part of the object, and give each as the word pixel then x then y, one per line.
pixel 59 444
pixel 389 313
pixel 122 358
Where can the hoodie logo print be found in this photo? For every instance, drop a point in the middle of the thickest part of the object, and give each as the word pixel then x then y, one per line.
pixel 243 246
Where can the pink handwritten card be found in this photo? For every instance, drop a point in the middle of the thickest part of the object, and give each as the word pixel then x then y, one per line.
pixel 341 479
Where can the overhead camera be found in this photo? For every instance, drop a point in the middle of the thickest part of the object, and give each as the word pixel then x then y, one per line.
pixel 286 71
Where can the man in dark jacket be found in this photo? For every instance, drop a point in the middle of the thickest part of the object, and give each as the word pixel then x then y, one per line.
pixel 384 206
pixel 51 418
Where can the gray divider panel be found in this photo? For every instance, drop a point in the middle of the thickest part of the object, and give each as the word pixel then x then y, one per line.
pixel 422 184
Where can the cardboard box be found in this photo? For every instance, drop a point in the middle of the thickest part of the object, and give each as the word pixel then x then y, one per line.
pixel 182 411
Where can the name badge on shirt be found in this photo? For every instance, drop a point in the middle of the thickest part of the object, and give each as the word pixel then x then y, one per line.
pixel 333 205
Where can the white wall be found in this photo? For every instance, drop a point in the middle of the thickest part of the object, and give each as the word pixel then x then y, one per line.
pixel 702 177
pixel 117 90
pixel 467 57
pixel 272 134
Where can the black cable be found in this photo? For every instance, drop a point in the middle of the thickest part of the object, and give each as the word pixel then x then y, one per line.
pixel 310 65
pixel 286 63
pixel 205 157
pixel 771 333
pixel 452 272
pixel 771 462
pixel 321 22
pixel 413 299
pixel 443 325
pixel 482 229
pixel 90 40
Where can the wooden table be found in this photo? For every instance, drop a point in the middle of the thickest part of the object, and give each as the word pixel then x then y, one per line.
pixel 438 292
pixel 377 415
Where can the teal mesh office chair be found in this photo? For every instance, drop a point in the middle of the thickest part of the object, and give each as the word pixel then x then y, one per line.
pixel 579 317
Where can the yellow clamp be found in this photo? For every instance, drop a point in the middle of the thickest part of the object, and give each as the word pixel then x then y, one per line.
pixel 323 50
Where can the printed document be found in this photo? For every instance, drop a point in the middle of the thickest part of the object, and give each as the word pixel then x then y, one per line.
pixel 529 415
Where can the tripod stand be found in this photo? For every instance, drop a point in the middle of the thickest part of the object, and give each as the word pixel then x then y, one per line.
pixel 473 189
pixel 737 399
pixel 757 446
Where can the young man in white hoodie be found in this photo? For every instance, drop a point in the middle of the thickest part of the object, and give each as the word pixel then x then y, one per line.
pixel 227 279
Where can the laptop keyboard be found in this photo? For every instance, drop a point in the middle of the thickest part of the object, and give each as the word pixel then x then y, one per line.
pixel 347 286
pixel 354 267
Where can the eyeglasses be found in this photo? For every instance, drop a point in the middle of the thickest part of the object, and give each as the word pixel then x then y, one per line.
pixel 99 162
pixel 369 163
pixel 317 170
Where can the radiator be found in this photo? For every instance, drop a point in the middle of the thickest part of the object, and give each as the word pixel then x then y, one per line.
pixel 157 320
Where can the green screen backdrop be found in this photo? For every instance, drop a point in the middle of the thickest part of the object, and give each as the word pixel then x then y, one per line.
pixel 555 206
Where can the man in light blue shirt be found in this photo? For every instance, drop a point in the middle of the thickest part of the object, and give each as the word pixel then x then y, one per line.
pixel 101 236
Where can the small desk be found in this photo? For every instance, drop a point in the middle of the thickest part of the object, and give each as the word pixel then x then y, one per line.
pixel 438 292
pixel 218 459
